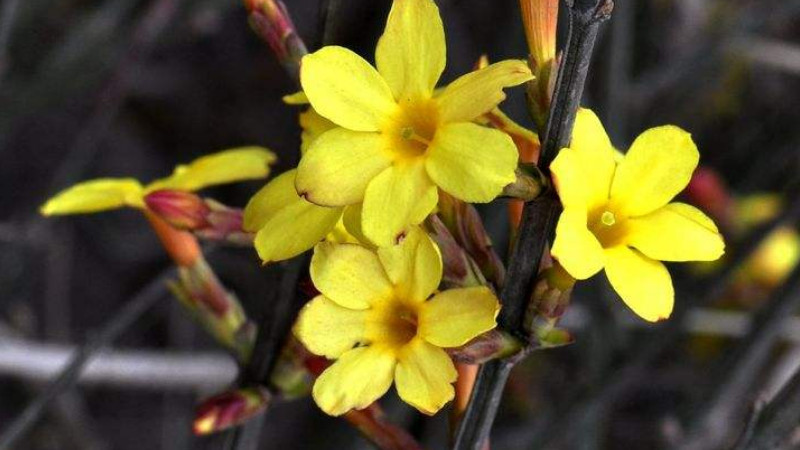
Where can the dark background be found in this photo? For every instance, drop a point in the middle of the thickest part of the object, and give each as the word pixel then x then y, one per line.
pixel 132 87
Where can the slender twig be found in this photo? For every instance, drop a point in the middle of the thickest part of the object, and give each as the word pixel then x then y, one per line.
pixel 273 329
pixel 714 420
pixel 121 321
pixel 331 23
pixel 7 14
pixel 538 218
pixel 773 426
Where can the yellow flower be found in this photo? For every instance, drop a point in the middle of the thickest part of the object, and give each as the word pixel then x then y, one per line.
pixel 395 143
pixel 102 194
pixel 617 216
pixel 376 319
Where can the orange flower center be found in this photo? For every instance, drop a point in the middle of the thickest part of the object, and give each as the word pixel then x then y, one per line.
pixel 392 322
pixel 608 226
pixel 413 128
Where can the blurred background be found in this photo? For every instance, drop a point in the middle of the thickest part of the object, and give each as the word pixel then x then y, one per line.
pixel 95 88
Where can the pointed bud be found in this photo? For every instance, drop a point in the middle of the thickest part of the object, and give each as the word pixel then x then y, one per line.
pixel 206 218
pixel 271 21
pixel 229 409
pixel 291 375
pixel 540 19
pixel 549 300
pixel 218 310
pixel 466 226
pixel 552 292
pixel 459 269
pixel 529 184
pixel 491 345
pixel 182 210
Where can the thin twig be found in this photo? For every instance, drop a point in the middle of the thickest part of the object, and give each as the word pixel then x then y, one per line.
pixel 7 15
pixel 538 219
pixel 714 420
pixel 775 425
pixel 273 330
pixel 330 33
pixel 121 321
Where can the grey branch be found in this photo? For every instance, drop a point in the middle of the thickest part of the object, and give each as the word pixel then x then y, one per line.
pixel 133 369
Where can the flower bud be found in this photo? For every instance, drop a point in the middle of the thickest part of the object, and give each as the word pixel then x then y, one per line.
pixel 183 210
pixel 229 409
pixel 459 269
pixel 465 225
pixel 540 18
pixel 271 21
pixel 491 345
pixel 218 310
pixel 708 191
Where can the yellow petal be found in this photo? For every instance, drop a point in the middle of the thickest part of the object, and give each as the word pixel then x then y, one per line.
pixel 583 173
pixel 569 180
pixel 228 166
pixel 352 223
pixel 575 247
pixel 357 379
pixel 424 376
pixel 480 91
pixel 298 98
pixel 327 329
pixel 340 235
pixel 344 88
pixel 642 283
pixel 594 156
pixel 472 162
pixel 95 195
pixel 411 53
pixel 349 274
pixel 337 168
pixel 313 126
pixel 414 266
pixel 656 168
pixel 401 196
pixel 676 232
pixel 453 317
pixel 286 224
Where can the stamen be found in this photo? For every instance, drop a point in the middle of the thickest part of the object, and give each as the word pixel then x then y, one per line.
pixel 608 219
pixel 408 133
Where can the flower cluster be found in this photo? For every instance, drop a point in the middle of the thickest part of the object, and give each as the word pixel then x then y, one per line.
pixel 382 150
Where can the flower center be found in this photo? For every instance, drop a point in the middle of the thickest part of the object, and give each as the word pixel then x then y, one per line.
pixel 608 226
pixel 413 128
pixel 392 323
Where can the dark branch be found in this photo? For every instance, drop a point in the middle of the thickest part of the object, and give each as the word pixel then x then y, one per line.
pixel 773 426
pixel 273 329
pixel 538 218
